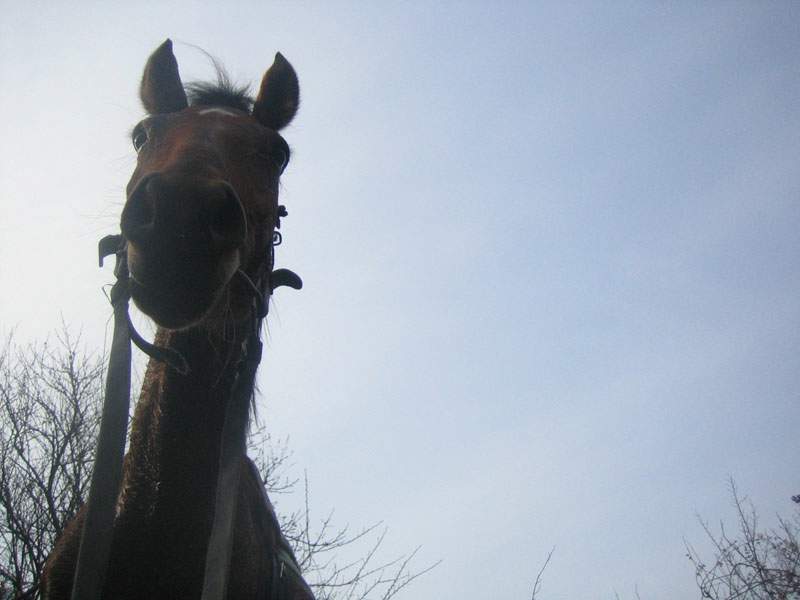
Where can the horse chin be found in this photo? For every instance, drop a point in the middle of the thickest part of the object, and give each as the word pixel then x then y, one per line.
pixel 177 308
pixel 161 289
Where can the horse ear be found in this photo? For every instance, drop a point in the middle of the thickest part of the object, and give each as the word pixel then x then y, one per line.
pixel 279 95
pixel 161 90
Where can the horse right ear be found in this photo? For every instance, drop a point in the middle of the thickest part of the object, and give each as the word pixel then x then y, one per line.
pixel 278 96
pixel 161 89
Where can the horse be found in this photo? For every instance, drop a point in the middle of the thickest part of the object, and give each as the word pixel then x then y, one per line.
pixel 199 225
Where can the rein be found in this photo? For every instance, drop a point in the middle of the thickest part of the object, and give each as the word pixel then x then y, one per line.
pixel 96 536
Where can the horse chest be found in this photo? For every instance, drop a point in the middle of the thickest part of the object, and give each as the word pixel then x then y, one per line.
pixel 160 554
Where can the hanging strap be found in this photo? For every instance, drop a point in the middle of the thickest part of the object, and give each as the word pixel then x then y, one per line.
pixel 234 434
pixel 107 474
pixel 96 536
pixel 234 444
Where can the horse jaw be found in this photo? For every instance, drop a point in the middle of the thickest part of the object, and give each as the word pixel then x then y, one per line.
pixel 173 294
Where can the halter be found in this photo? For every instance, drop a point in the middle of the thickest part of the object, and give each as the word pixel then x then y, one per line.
pixel 98 525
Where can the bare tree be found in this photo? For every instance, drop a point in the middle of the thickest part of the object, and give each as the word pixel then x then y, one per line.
pixel 316 547
pixel 316 542
pixel 50 401
pixel 48 422
pixel 750 564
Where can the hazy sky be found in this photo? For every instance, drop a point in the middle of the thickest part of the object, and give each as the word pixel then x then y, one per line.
pixel 550 254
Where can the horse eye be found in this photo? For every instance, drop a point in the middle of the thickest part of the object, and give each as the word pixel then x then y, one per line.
pixel 139 138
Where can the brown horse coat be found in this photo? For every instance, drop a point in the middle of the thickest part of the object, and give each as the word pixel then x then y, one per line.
pixel 202 205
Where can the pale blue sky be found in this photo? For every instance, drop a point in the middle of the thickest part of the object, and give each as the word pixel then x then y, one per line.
pixel 550 255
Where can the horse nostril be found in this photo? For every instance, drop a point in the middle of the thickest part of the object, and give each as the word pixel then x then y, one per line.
pixel 139 214
pixel 193 212
pixel 226 219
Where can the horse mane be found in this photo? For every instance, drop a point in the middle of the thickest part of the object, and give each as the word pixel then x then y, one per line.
pixel 222 92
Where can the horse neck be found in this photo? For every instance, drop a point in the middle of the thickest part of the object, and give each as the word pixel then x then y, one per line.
pixel 175 435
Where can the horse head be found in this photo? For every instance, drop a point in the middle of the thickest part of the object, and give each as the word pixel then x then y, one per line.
pixel 202 203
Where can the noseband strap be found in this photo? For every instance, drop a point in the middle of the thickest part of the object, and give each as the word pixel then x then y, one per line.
pixel 95 545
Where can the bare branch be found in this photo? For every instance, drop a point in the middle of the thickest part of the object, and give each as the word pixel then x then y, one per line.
pixel 49 411
pixel 318 544
pixel 537 584
pixel 755 564
pixel 50 399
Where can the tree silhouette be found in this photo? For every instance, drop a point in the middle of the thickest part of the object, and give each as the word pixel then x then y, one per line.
pixel 50 401
pixel 751 564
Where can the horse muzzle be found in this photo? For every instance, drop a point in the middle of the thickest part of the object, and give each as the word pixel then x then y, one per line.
pixel 184 239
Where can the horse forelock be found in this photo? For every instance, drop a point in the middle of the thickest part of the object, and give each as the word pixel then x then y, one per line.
pixel 221 93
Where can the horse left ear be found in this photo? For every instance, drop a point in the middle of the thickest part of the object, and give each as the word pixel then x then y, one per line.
pixel 279 95
pixel 161 90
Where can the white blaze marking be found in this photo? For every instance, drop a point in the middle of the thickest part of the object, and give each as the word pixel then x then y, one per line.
pixel 217 110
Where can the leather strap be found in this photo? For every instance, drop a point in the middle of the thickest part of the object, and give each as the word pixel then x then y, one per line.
pixel 97 530
pixel 107 474
pixel 234 434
